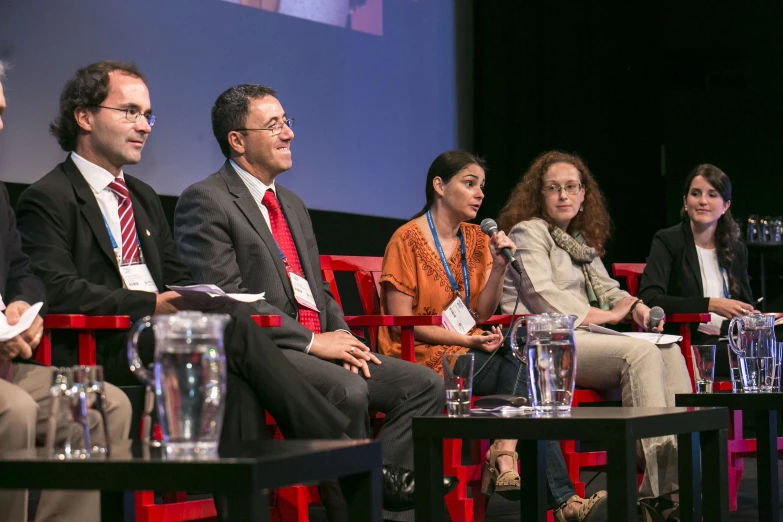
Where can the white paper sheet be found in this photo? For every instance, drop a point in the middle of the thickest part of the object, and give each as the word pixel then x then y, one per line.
pixel 214 292
pixel 8 332
pixel 647 336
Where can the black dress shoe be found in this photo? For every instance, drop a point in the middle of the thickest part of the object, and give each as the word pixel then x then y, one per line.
pixel 399 485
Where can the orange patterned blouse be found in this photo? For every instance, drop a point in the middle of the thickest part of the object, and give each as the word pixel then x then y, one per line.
pixel 411 266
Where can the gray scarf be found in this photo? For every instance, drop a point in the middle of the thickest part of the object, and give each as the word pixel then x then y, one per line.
pixel 583 256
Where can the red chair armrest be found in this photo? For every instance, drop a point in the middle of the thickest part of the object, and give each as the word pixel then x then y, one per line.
pixel 688 318
pixel 108 322
pixel 393 320
pixel 267 321
pixel 64 321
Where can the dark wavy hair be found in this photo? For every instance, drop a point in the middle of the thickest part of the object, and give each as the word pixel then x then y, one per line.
pixel 727 233
pixel 525 201
pixel 231 110
pixel 447 165
pixel 87 88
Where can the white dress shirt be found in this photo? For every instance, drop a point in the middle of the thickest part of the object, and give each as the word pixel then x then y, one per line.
pixel 99 179
pixel 713 279
pixel 257 189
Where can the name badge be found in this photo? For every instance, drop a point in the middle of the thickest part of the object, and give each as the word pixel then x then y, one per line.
pixel 457 317
pixel 138 277
pixel 302 292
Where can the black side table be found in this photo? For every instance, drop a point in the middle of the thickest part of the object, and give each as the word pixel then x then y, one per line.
pixel 701 434
pixel 764 407
pixel 242 475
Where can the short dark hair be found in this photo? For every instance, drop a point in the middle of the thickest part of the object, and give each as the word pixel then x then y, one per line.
pixel 231 110
pixel 87 88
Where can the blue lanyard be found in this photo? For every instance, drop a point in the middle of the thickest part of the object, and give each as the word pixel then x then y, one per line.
pixel 114 245
pixel 445 263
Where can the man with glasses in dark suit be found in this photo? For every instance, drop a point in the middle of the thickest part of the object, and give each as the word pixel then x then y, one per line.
pixel 240 230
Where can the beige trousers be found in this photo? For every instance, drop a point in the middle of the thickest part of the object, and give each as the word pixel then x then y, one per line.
pixel 649 376
pixel 24 410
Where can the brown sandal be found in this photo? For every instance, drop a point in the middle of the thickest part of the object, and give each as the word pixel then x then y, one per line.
pixel 506 484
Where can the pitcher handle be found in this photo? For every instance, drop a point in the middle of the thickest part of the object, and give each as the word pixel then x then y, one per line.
pixel 134 359
pixel 735 323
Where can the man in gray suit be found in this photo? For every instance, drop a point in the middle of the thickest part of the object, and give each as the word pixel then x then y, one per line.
pixel 242 231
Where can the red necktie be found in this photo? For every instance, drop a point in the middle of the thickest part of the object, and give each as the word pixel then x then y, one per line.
pixel 285 241
pixel 130 247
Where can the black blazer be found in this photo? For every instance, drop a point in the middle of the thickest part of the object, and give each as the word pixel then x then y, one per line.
pixel 65 236
pixel 672 277
pixel 17 281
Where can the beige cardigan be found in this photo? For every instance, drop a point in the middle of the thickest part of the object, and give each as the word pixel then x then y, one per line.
pixel 550 281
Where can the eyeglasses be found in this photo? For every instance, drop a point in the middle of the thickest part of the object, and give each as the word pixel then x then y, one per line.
pixel 275 129
pixel 133 115
pixel 571 188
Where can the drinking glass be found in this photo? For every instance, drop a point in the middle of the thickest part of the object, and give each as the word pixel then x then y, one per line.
pixel 67 427
pixel 458 377
pixel 752 232
pixel 764 229
pixel 777 372
pixel 703 357
pixel 96 400
pixel 777 229
pixel 734 370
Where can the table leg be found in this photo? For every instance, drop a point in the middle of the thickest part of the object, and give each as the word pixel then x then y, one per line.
pixel 428 469
pixel 532 458
pixel 621 478
pixel 689 466
pixel 364 497
pixel 251 505
pixel 767 459
pixel 118 505
pixel 715 467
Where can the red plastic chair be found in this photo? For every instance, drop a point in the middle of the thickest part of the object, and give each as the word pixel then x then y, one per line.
pixel 738 447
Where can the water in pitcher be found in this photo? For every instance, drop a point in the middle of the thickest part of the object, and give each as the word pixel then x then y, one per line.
pixel 758 362
pixel 551 356
pixel 192 396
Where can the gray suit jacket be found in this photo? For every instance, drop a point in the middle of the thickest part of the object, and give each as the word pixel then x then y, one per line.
pixel 223 237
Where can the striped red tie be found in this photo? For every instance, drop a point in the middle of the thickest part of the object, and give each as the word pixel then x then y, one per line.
pixel 282 234
pixel 130 247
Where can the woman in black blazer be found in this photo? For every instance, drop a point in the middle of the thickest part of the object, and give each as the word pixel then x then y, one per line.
pixel 704 250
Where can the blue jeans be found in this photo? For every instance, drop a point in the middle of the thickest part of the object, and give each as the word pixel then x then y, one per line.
pixel 502 373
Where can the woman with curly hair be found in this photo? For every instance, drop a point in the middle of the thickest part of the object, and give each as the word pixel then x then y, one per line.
pixel 701 264
pixel 557 218
pixel 438 260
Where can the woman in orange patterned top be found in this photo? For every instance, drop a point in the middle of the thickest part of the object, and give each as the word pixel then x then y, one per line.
pixel 438 261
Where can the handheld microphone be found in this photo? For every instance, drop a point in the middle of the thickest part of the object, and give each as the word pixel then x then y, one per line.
pixel 490 228
pixel 656 316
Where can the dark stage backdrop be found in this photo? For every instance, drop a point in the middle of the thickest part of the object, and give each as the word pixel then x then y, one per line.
pixel 644 93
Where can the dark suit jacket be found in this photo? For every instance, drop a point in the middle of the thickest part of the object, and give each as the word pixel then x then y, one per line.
pixel 17 281
pixel 224 239
pixel 672 277
pixel 65 236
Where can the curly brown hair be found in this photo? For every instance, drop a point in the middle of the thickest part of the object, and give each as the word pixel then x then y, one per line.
pixel 525 201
